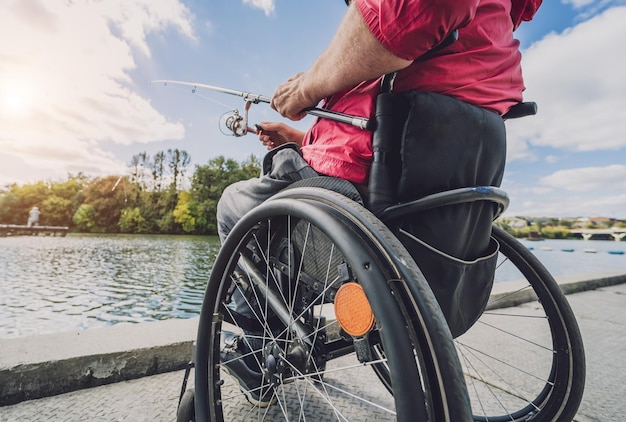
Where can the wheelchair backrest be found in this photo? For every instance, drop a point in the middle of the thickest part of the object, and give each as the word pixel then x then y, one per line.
pixel 428 145
pixel 439 144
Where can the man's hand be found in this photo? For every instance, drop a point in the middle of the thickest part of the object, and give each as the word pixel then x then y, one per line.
pixel 274 134
pixel 290 98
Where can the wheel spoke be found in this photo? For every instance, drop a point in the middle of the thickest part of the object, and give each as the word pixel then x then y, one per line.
pixel 511 334
pixel 518 362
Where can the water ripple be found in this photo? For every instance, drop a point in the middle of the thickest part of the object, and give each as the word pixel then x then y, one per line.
pixel 53 284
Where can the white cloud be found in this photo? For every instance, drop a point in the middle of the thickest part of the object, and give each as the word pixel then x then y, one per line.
pixel 578 3
pixel 64 80
pixel 266 6
pixel 136 18
pixel 566 205
pixel 588 8
pixel 586 191
pixel 577 79
pixel 587 179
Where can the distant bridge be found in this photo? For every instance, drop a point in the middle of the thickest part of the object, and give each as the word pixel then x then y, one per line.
pixel 618 234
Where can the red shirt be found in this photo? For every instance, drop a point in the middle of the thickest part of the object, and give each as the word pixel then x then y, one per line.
pixel 481 68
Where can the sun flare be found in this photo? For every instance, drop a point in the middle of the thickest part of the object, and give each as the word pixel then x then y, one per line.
pixel 15 99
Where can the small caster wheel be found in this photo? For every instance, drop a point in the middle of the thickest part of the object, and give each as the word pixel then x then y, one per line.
pixel 186 408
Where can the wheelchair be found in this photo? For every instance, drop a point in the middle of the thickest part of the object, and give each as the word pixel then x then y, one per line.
pixel 353 330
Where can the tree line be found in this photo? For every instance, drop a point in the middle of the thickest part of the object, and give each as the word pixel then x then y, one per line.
pixel 157 196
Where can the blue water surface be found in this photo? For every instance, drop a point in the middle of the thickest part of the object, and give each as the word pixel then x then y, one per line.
pixel 56 284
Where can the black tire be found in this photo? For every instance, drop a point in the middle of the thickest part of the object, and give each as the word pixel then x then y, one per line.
pixel 186 411
pixel 533 370
pixel 306 236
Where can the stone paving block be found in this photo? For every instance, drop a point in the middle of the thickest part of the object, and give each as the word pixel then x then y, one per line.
pixel 601 316
pixel 146 399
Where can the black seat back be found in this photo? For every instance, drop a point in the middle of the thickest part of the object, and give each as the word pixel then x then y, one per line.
pixel 443 144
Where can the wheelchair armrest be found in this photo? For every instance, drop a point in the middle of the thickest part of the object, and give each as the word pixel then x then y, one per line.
pixel 451 197
pixel 521 110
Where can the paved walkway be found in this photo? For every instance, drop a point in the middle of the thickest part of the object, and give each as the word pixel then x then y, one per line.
pixel 601 315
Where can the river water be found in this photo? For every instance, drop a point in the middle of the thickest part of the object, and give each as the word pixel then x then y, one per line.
pixel 53 284
pixel 56 284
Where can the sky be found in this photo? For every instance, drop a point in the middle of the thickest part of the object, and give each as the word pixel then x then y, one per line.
pixel 77 92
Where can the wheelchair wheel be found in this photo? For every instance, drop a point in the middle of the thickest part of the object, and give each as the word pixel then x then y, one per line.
pixel 523 363
pixel 293 259
pixel 186 408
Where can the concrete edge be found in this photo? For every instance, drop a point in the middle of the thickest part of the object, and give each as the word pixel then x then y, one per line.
pixel 582 286
pixel 50 364
pixel 92 366
pixel 43 379
pixel 501 296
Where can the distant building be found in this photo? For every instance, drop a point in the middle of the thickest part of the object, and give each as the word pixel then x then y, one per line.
pixel 517 223
pixel 601 221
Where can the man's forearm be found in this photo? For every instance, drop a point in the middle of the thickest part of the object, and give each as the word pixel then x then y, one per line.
pixel 354 55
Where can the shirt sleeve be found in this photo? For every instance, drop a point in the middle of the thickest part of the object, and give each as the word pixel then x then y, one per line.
pixel 410 28
pixel 523 10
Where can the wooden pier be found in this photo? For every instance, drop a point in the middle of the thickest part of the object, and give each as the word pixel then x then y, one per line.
pixel 17 230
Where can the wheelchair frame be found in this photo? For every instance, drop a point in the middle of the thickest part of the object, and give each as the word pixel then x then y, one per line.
pixel 557 400
pixel 424 373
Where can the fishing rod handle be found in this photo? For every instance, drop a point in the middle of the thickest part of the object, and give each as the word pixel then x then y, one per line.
pixel 360 122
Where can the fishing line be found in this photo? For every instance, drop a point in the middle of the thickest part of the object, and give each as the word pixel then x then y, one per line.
pixel 195 91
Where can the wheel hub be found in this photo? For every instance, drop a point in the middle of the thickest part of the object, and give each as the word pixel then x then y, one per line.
pixel 280 365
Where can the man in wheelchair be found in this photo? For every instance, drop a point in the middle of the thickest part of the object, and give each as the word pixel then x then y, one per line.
pixel 445 101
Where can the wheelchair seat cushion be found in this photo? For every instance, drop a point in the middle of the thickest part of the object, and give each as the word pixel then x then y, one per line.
pixel 334 184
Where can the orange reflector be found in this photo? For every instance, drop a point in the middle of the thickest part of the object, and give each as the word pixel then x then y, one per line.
pixel 352 310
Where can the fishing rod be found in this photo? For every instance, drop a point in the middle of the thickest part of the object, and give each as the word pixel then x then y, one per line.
pixel 238 124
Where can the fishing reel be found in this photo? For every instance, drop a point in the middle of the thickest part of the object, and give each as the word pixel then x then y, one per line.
pixel 238 124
